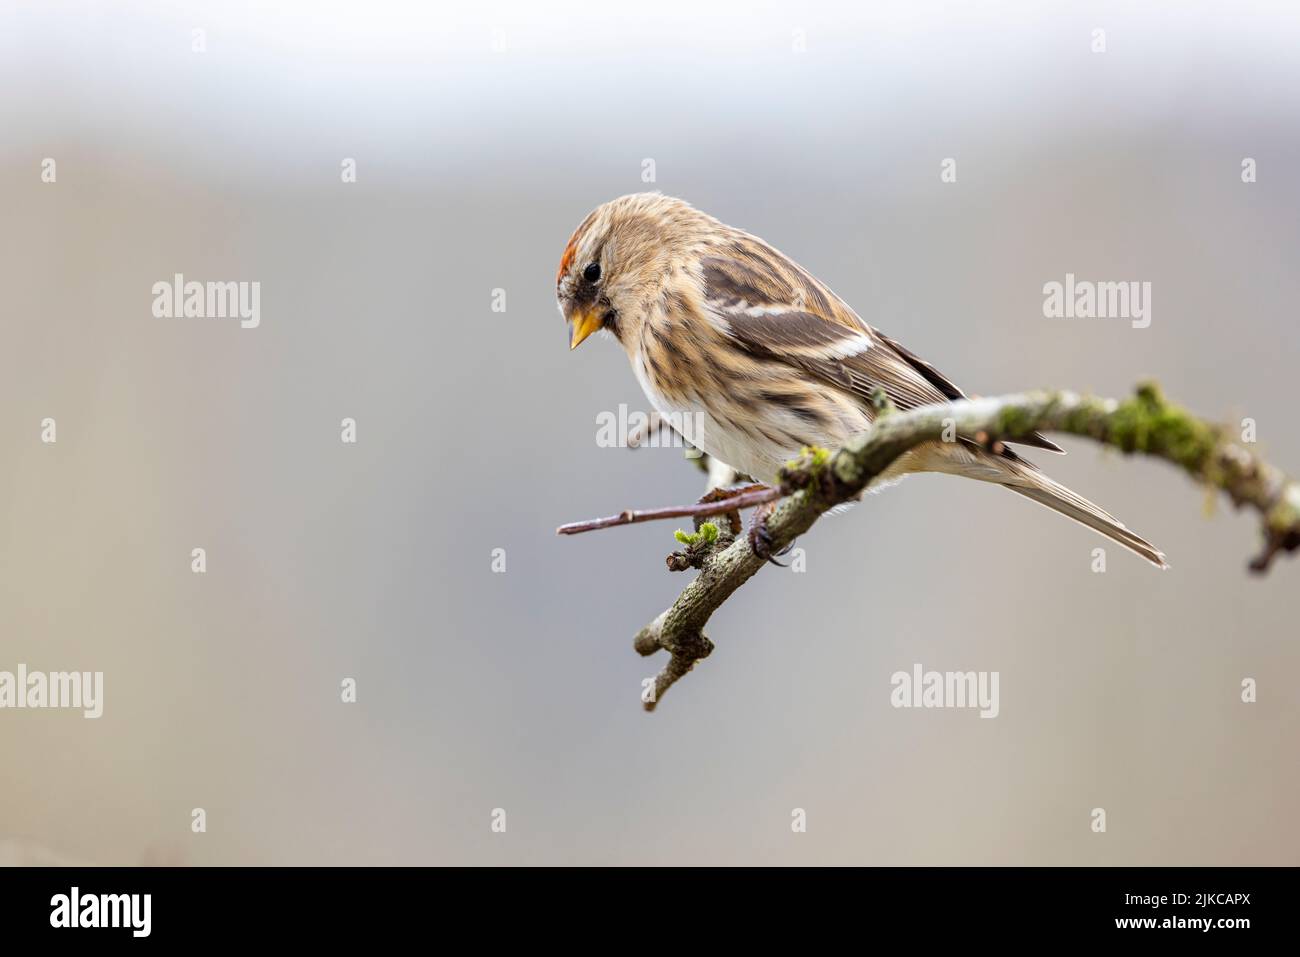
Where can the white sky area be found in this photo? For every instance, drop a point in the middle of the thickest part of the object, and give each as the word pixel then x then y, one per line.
pixel 569 70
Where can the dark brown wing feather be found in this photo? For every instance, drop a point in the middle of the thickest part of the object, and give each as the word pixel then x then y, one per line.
pixel 945 385
pixel 776 310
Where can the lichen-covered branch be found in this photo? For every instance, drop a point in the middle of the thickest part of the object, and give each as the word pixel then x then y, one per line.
pixel 1145 423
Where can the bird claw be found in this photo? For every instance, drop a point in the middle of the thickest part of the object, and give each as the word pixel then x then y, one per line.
pixel 760 537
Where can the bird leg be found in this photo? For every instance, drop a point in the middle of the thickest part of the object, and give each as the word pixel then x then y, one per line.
pixel 760 539
pixel 725 493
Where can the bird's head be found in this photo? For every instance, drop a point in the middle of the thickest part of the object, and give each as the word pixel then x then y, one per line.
pixel 617 261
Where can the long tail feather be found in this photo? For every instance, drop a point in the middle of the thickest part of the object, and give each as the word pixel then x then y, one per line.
pixel 1060 499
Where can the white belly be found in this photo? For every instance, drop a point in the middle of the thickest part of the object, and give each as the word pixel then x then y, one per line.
pixel 734 447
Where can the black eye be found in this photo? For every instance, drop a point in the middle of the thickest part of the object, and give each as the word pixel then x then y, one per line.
pixel 592 272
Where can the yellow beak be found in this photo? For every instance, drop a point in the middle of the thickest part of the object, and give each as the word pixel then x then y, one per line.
pixel 584 323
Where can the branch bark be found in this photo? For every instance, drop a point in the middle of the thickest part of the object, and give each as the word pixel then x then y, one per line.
pixel 1144 424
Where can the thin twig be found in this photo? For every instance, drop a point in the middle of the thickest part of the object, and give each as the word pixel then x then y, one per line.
pixel 699 510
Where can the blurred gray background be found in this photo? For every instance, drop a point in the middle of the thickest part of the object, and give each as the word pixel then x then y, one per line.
pixel 482 135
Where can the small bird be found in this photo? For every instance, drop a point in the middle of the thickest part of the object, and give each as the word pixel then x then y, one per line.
pixel 726 332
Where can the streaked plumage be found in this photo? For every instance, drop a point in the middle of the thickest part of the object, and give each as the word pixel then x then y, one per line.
pixel 727 332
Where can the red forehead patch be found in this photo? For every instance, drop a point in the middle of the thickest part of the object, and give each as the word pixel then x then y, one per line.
pixel 571 250
pixel 566 260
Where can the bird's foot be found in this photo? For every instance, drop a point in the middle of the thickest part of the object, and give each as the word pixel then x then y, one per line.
pixel 721 494
pixel 760 537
